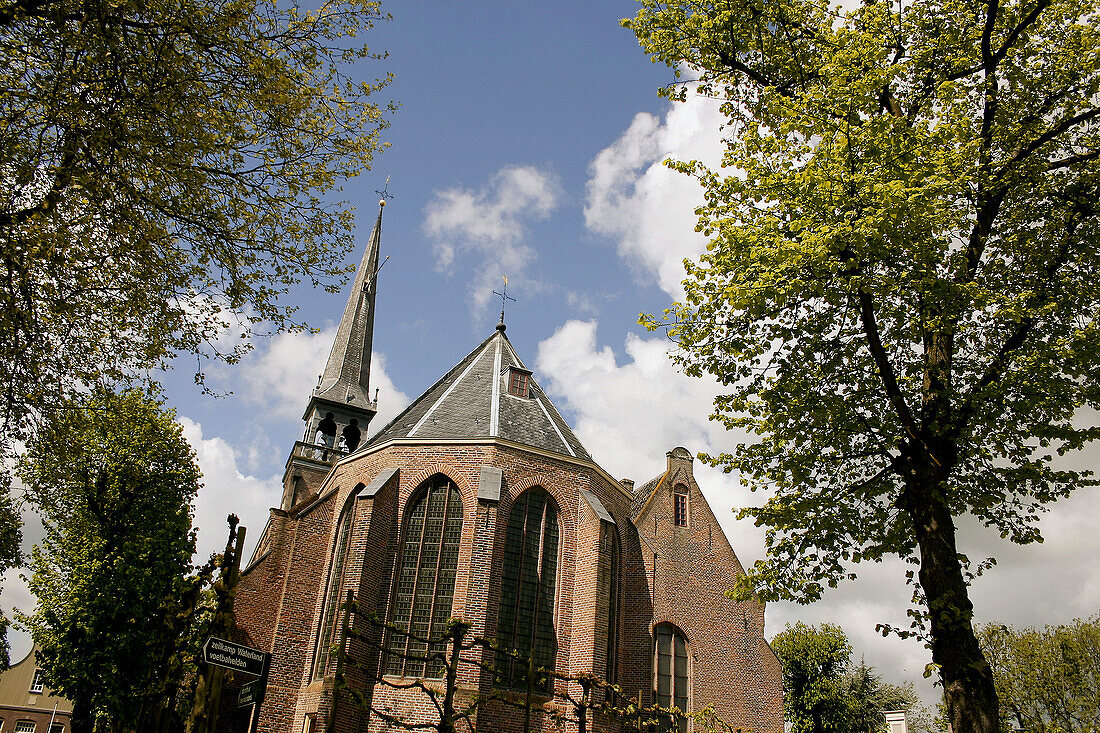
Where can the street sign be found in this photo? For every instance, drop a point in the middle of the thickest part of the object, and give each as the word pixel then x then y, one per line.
pixel 237 657
pixel 249 693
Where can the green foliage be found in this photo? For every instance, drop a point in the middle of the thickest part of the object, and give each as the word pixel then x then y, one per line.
pixel 823 693
pixel 814 662
pixel 166 172
pixel 114 480
pixel 901 287
pixel 852 245
pixel 1048 680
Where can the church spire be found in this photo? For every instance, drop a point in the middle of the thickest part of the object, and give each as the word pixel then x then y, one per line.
pixel 346 378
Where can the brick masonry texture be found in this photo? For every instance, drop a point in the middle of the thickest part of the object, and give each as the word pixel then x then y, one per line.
pixel 665 574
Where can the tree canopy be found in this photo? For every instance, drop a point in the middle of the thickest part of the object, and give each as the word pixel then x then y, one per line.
pixel 825 693
pixel 1048 680
pixel 168 169
pixel 901 283
pixel 114 481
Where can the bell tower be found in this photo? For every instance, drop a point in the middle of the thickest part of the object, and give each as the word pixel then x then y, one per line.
pixel 340 407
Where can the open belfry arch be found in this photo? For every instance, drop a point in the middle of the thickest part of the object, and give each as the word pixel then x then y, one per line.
pixel 478 502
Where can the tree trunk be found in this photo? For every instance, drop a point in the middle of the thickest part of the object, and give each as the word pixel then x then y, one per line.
pixel 966 675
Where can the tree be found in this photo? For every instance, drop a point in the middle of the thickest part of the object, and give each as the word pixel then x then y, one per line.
pixel 814 662
pixel 1048 680
pixel 824 693
pixel 113 479
pixel 901 284
pixel 165 173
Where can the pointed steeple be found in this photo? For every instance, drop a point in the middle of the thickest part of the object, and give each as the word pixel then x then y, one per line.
pixel 340 407
pixel 346 378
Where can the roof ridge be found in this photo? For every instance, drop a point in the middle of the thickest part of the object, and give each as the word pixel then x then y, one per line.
pixel 424 395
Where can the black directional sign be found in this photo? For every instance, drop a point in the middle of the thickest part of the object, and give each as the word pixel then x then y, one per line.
pixel 249 693
pixel 234 656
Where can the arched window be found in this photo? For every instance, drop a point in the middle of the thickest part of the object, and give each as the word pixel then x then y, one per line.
pixel 331 617
pixel 426 576
pixel 671 665
pixel 680 505
pixel 525 623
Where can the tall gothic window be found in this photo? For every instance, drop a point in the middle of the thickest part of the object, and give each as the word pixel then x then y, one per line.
pixel 525 623
pixel 426 577
pixel 331 617
pixel 671 664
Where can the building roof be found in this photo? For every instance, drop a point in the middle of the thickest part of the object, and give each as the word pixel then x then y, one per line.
pixel 346 378
pixel 642 494
pixel 472 400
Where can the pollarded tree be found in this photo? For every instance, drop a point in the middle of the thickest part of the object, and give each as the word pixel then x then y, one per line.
pixel 113 479
pixel 902 281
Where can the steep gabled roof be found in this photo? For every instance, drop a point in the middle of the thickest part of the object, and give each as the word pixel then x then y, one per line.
pixel 346 378
pixel 642 494
pixel 472 401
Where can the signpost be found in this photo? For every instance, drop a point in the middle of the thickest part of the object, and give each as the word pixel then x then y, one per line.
pixel 249 694
pixel 237 657
pixel 244 659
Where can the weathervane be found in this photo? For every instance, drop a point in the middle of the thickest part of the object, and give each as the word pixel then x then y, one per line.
pixel 503 297
pixel 384 193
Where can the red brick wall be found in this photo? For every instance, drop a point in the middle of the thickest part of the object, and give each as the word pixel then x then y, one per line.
pixel 280 599
pixel 691 568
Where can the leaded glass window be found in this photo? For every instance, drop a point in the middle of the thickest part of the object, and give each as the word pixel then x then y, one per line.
pixel 330 619
pixel 672 676
pixel 525 623
pixel 425 578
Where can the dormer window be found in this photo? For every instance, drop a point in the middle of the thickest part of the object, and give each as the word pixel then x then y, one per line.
pixel 519 382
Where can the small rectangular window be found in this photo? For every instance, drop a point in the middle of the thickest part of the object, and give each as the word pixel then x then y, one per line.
pixel 36 684
pixel 24 726
pixel 681 510
pixel 517 384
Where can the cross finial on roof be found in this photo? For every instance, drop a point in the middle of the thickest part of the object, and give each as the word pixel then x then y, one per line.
pixel 384 193
pixel 504 297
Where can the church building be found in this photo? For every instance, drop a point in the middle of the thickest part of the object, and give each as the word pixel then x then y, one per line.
pixel 479 503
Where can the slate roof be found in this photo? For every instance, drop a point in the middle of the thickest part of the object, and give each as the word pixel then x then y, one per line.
pixel 346 378
pixel 642 494
pixel 472 401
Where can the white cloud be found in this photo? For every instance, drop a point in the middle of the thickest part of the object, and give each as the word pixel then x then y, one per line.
pixel 391 400
pixel 226 490
pixel 645 402
pixel 629 413
pixel 281 377
pixel 17 596
pixel 489 223
pixel 648 209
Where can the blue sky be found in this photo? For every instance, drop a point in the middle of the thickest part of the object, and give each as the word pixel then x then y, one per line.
pixel 528 143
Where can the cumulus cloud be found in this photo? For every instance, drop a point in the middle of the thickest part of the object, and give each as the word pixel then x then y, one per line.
pixel 280 377
pixel 629 411
pixel 646 208
pixel 488 223
pixel 226 490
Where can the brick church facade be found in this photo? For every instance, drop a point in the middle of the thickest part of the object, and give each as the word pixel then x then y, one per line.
pixel 478 502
